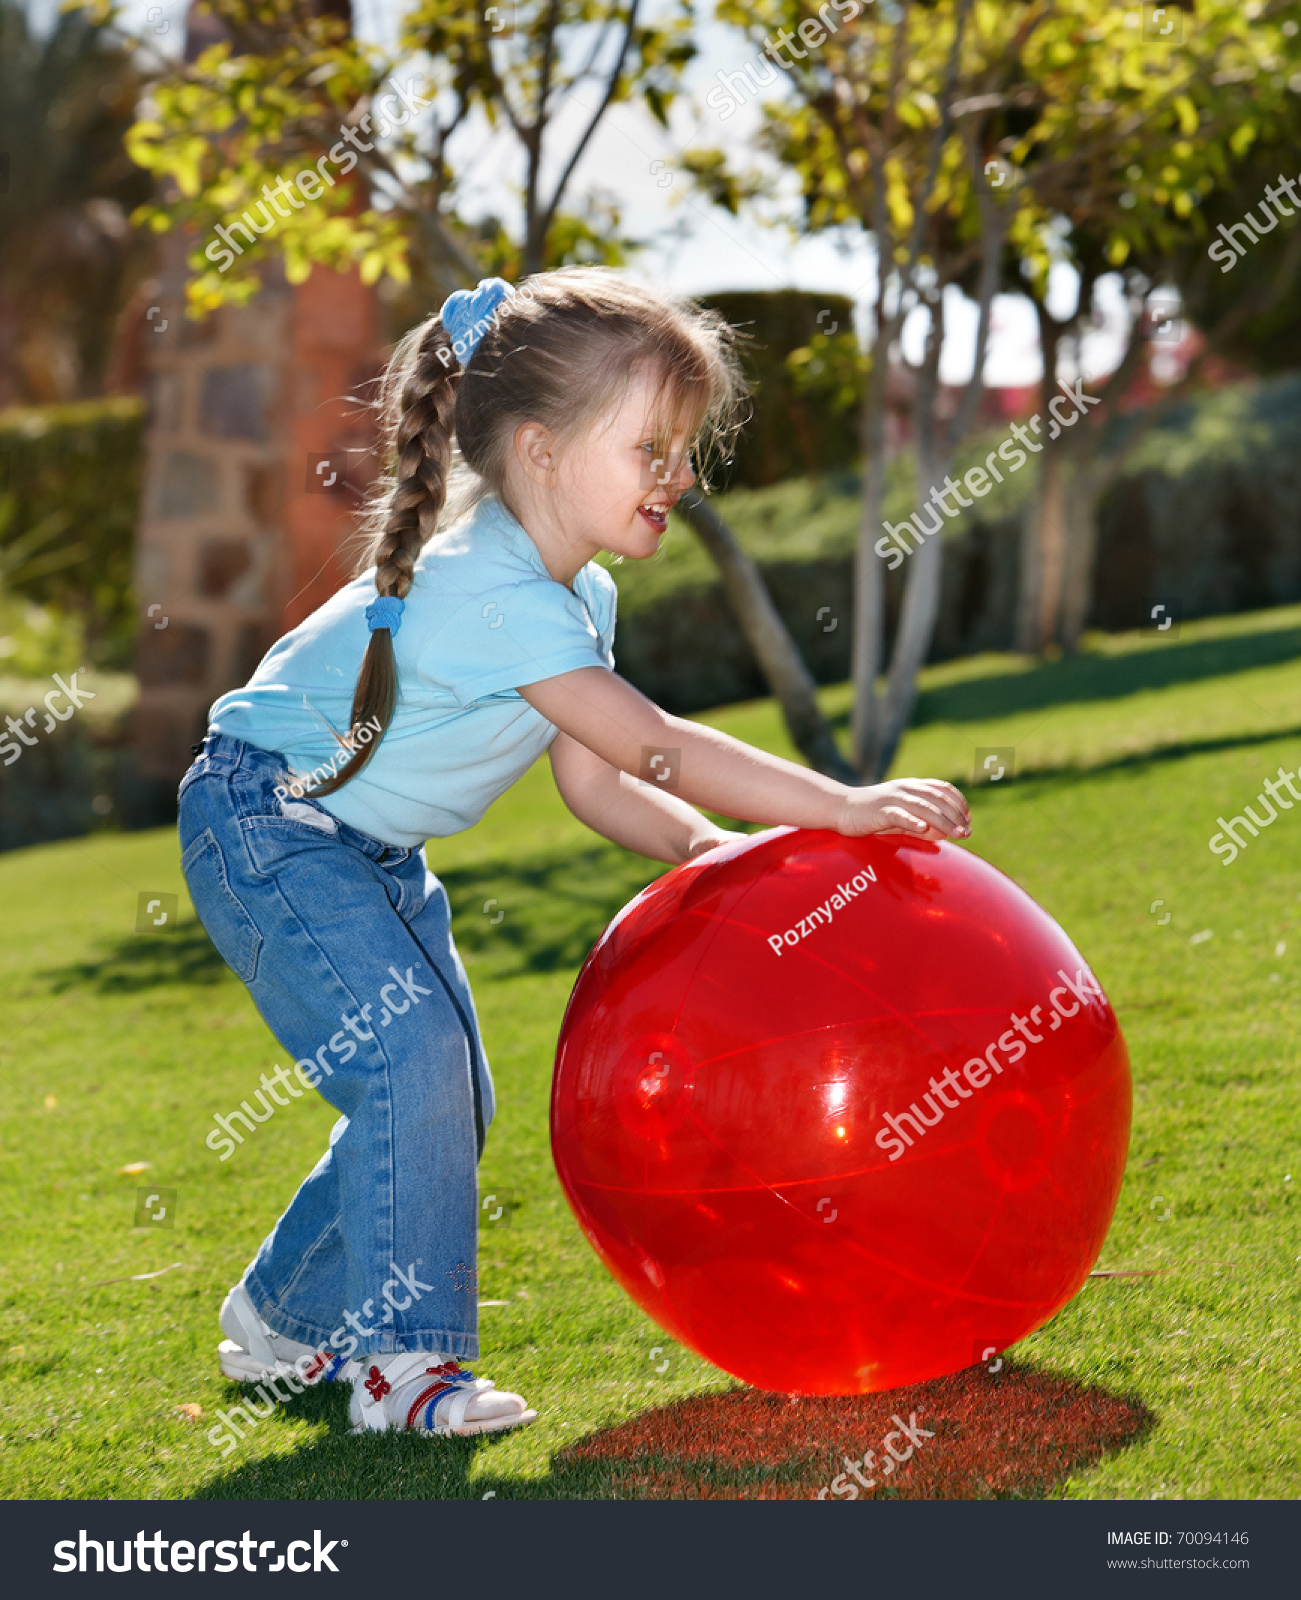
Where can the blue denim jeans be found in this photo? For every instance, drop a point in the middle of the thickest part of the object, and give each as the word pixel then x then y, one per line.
pixel 345 944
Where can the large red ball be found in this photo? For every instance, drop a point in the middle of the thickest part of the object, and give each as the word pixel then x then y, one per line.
pixel 796 1115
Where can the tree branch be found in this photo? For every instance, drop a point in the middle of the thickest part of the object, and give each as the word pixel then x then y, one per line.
pixel 993 219
pixel 610 90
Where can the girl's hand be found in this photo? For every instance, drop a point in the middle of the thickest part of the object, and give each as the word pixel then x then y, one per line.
pixel 926 808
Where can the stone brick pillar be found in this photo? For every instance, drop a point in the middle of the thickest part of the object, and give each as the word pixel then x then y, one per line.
pixel 256 461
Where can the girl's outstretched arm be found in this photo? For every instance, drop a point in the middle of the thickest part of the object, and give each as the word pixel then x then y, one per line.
pixel 635 815
pixel 605 714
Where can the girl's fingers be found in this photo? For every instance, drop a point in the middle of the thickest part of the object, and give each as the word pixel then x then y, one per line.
pixel 930 810
pixel 925 819
pixel 921 808
pixel 940 800
pixel 943 796
pixel 910 822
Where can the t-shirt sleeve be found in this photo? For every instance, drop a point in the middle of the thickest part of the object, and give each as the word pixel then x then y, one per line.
pixel 516 634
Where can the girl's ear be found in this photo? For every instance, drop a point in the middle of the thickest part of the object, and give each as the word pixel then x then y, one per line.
pixel 535 450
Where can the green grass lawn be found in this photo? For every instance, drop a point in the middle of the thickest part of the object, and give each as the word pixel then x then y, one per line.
pixel 118 1047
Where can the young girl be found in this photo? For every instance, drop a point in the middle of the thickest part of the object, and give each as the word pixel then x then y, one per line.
pixel 459 655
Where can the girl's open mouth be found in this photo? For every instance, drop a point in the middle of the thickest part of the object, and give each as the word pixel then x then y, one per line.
pixel 657 516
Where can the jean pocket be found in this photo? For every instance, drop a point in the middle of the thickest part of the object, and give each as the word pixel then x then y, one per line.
pixel 225 920
pixel 310 814
pixel 276 844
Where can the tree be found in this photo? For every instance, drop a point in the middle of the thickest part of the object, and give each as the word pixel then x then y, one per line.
pixel 957 133
pixel 288 88
pixel 1144 214
pixel 877 130
pixel 68 257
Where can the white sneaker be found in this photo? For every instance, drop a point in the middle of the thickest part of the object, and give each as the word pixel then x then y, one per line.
pixel 426 1393
pixel 252 1351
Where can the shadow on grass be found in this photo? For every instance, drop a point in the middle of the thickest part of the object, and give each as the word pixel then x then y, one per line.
pixel 183 954
pixel 1097 677
pixel 1138 760
pixel 1017 1434
pixel 544 916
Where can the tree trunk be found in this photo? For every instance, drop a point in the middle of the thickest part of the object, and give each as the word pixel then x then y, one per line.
pixel 1092 474
pixel 879 721
pixel 776 652
pixel 1044 554
pixel 1043 534
pixel 869 631
pixel 869 568
pixel 921 596
pixel 921 604
pixel 1083 490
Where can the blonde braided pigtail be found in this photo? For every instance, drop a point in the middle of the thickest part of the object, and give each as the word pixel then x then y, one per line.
pixel 422 381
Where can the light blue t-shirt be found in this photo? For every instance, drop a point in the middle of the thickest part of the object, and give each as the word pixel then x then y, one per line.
pixel 482 617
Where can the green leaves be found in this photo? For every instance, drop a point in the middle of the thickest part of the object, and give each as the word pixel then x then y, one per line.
pixel 278 94
pixel 1099 118
pixel 1187 113
pixel 714 178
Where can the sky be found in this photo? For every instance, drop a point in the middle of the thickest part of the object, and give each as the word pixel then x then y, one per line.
pixel 695 248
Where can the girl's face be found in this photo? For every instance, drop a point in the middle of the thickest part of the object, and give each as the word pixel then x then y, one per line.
pixel 612 489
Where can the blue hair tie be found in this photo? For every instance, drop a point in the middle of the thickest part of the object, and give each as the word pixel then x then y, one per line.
pixel 386 612
pixel 467 315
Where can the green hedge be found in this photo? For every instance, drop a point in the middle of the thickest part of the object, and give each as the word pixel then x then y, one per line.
pixel 69 492
pixel 801 356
